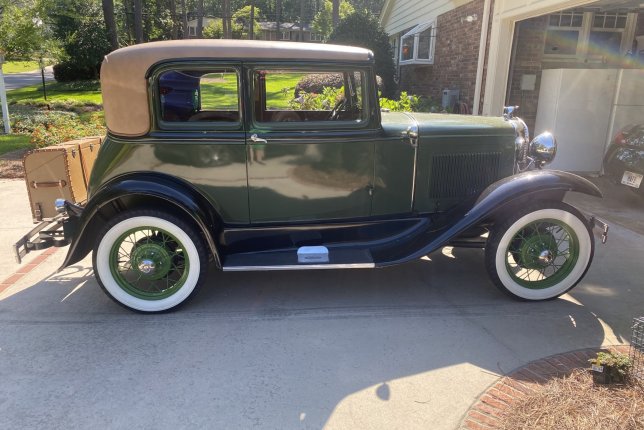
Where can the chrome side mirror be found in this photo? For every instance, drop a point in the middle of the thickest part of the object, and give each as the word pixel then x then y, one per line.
pixel 544 148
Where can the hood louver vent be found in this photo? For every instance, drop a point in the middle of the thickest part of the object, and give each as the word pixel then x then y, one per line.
pixel 462 175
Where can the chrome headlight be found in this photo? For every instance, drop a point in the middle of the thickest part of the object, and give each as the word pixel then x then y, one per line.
pixel 544 148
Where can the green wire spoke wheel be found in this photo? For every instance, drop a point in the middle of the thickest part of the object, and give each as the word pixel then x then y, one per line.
pixel 540 252
pixel 149 261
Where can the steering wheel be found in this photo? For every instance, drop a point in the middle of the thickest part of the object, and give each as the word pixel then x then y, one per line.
pixel 339 106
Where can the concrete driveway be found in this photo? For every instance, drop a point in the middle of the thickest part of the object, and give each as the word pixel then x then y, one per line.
pixel 407 347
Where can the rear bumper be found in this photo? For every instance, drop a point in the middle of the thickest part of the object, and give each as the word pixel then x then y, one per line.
pixel 57 231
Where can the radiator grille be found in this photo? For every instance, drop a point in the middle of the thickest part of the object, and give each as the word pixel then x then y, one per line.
pixel 461 175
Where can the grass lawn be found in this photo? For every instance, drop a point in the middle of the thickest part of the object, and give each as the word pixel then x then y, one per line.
pixel 219 90
pixel 78 93
pixel 14 142
pixel 19 66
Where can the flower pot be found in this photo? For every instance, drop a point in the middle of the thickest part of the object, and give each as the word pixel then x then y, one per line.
pixel 606 375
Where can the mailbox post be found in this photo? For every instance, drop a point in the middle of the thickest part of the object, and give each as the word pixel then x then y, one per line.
pixel 3 99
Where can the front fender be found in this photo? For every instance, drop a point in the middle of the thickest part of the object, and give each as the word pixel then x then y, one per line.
pixel 175 192
pixel 513 190
pixel 529 185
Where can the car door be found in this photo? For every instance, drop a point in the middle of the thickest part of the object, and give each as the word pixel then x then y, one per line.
pixel 310 149
pixel 199 133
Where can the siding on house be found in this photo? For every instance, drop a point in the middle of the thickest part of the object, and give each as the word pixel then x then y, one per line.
pixel 400 15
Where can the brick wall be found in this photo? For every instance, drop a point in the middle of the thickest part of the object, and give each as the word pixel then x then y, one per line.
pixel 455 57
pixel 530 38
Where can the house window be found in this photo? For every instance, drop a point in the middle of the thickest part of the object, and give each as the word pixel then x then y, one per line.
pixel 286 35
pixel 417 45
pixel 562 35
pixel 606 33
pixel 192 31
pixel 316 37
pixel 576 34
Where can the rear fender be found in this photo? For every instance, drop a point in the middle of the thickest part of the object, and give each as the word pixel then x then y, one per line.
pixel 134 191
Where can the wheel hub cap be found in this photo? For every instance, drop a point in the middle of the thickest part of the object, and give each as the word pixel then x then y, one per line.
pixel 538 251
pixel 151 260
pixel 545 257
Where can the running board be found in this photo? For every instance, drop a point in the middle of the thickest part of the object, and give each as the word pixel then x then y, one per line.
pixel 288 260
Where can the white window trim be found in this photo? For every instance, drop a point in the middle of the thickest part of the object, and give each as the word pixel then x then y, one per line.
pixel 316 37
pixel 415 32
pixel 285 33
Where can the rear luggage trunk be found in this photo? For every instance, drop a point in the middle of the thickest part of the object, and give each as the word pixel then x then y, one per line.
pixel 59 172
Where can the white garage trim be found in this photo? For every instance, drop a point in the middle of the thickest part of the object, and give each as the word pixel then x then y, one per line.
pixel 505 15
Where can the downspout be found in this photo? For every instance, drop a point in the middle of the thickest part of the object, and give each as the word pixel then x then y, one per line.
pixel 481 61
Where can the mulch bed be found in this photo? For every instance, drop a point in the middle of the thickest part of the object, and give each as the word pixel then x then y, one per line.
pixel 557 392
pixel 11 164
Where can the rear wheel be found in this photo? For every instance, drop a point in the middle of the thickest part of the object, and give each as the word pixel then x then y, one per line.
pixel 540 252
pixel 149 261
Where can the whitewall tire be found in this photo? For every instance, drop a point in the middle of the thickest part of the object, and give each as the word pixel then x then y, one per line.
pixel 149 261
pixel 540 252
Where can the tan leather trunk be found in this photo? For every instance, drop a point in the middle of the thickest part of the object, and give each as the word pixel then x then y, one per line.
pixel 59 172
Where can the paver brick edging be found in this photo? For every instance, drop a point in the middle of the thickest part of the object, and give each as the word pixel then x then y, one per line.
pixel 488 410
pixel 26 268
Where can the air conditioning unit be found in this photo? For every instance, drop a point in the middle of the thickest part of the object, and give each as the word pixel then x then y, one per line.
pixel 450 98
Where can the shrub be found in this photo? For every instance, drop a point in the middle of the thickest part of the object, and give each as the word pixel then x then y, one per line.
pixel 409 103
pixel 316 83
pixel 69 71
pixel 66 128
pixel 362 29
pixel 85 43
pixel 52 127
pixel 326 100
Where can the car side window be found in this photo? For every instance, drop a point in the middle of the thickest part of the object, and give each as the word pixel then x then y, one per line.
pixel 199 96
pixel 297 95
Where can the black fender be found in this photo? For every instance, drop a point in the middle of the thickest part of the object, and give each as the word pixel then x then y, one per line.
pixel 513 190
pixel 176 192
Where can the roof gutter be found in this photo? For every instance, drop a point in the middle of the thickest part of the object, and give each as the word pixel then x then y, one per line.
pixel 481 61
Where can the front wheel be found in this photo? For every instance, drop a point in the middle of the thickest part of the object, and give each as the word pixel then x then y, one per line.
pixel 540 252
pixel 149 261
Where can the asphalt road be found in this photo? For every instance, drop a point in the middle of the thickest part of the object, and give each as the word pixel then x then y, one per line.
pixel 406 347
pixel 19 80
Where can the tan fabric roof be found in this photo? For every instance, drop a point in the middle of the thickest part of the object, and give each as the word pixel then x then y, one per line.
pixel 124 86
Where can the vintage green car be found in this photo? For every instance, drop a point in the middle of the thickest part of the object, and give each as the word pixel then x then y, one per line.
pixel 213 156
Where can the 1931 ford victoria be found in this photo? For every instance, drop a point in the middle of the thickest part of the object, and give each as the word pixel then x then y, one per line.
pixel 211 155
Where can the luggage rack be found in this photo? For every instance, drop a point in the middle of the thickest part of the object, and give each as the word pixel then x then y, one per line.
pixel 46 234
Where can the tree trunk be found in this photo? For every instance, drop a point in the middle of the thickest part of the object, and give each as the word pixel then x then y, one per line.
pixel 278 18
pixel 301 20
pixel 138 21
pixel 336 13
pixel 228 29
pixel 174 32
pixel 110 23
pixel 184 20
pixel 200 19
pixel 251 24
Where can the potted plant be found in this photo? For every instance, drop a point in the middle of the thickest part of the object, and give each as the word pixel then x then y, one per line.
pixel 609 367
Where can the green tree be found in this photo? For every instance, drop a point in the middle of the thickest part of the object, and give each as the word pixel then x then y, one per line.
pixel 323 20
pixel 363 29
pixel 23 32
pixel 84 38
pixel 215 30
pixel 242 17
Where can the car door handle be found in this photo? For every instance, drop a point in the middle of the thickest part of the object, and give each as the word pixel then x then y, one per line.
pixel 257 139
